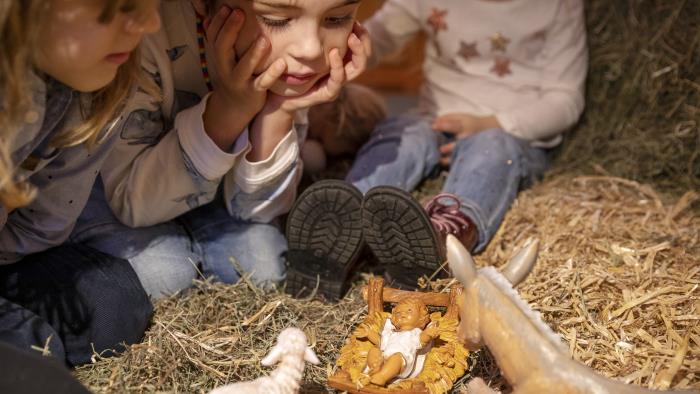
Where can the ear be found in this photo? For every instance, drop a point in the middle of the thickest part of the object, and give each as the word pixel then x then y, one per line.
pixel 273 357
pixel 310 356
pixel 200 7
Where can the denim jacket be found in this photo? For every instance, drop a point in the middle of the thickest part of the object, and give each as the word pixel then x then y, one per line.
pixel 63 177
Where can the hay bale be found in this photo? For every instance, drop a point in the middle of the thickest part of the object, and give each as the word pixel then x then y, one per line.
pixel 642 118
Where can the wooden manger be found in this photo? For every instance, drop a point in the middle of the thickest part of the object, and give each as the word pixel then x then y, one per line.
pixel 444 363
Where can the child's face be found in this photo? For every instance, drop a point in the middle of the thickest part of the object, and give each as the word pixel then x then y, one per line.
pixel 405 316
pixel 302 32
pixel 79 51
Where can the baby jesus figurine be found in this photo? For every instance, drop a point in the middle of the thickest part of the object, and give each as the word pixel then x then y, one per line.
pixel 400 350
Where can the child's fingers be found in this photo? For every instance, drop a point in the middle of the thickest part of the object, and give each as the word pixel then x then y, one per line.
pixel 216 23
pixel 447 124
pixel 358 61
pixel 336 79
pixel 253 56
pixel 228 35
pixel 265 80
pixel 447 149
pixel 363 35
pixel 445 161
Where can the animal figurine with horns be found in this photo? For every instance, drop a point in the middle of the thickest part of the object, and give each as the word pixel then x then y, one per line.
pixel 529 354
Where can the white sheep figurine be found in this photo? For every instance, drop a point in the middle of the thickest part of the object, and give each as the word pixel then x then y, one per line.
pixel 291 351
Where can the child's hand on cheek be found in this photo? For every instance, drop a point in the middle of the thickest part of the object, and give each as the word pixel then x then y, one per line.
pixel 238 95
pixel 359 50
pixel 277 116
pixel 326 89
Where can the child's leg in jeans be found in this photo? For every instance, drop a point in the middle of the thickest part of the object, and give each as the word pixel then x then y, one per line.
pixel 488 170
pixel 23 329
pixel 91 300
pixel 220 238
pixel 161 255
pixel 401 152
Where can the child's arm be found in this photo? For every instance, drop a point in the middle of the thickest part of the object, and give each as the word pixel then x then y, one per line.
pixel 157 172
pixel 63 188
pixel 263 184
pixel 562 91
pixel 240 96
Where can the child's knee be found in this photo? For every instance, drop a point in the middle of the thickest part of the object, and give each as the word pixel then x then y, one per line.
pixel 115 309
pixel 262 255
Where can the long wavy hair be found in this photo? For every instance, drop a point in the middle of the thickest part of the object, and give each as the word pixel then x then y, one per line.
pixel 19 28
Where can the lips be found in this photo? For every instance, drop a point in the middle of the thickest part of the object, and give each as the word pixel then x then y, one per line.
pixel 118 58
pixel 298 79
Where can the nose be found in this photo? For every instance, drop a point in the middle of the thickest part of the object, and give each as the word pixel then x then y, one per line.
pixel 143 24
pixel 310 47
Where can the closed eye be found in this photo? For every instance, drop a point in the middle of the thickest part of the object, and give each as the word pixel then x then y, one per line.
pixel 338 21
pixel 273 23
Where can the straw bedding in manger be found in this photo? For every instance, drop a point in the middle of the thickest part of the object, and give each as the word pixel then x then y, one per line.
pixel 618 218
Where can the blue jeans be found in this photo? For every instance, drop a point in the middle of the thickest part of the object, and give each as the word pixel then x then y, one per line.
pixel 75 300
pixel 488 168
pixel 168 256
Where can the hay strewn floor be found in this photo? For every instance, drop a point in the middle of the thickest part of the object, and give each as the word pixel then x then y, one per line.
pixel 619 271
pixel 618 277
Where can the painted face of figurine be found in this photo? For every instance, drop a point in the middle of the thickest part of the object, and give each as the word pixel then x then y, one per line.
pixel 408 315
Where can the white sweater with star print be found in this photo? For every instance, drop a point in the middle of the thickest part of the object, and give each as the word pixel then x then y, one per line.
pixel 522 61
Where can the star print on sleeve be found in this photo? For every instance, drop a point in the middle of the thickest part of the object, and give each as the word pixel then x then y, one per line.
pixel 501 66
pixel 436 20
pixel 468 50
pixel 499 43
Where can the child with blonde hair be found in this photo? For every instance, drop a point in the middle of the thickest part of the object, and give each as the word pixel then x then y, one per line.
pixel 200 174
pixel 66 70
